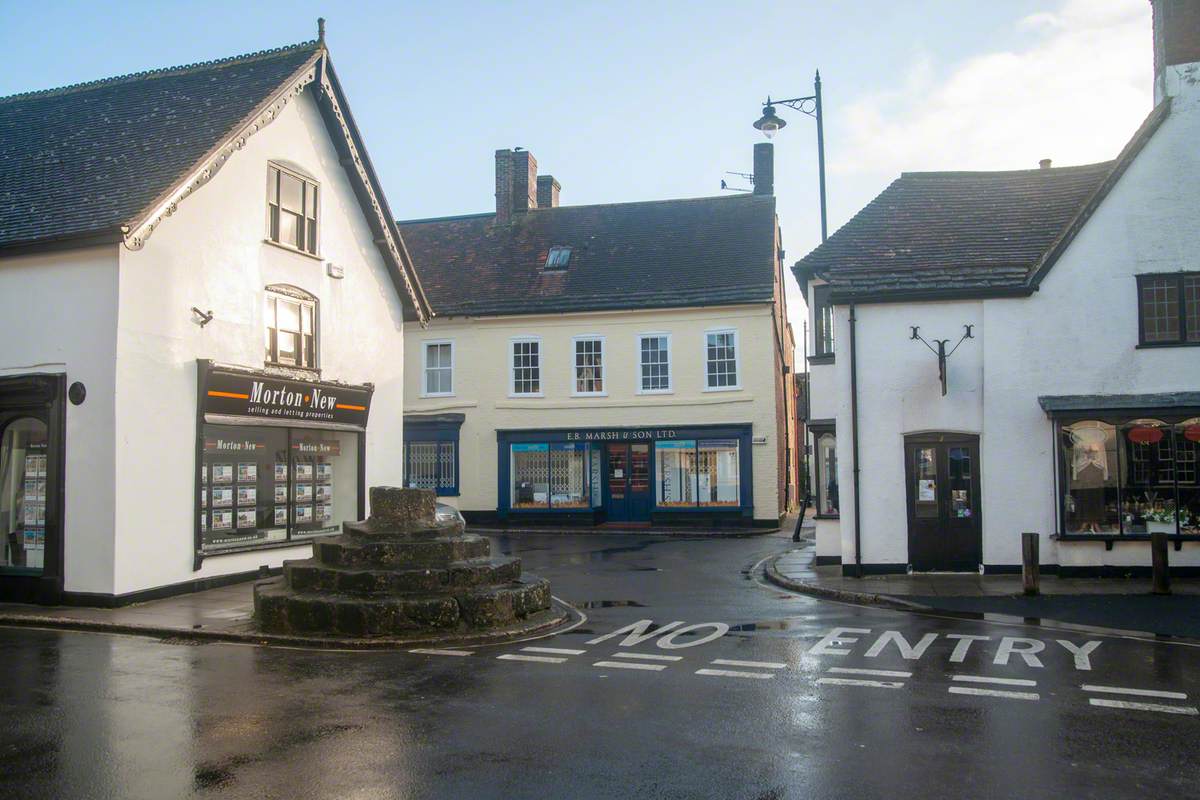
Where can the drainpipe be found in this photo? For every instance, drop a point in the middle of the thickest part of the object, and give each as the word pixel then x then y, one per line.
pixel 858 570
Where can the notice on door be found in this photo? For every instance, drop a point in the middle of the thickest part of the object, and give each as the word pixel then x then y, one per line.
pixel 926 491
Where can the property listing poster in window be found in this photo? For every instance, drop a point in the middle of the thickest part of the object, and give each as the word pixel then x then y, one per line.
pixel 324 465
pixel 240 466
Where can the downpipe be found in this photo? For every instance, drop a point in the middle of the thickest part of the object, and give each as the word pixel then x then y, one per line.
pixel 858 568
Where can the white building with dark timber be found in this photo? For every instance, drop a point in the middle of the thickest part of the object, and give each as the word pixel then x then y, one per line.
pixel 202 304
pixel 1067 303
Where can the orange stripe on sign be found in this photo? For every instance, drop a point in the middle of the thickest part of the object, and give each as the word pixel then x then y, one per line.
pixel 234 395
pixel 350 408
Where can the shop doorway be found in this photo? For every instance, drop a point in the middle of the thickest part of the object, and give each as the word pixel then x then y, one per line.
pixel 627 484
pixel 944 530
pixel 30 489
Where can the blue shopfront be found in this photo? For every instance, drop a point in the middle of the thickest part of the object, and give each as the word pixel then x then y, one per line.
pixel 637 476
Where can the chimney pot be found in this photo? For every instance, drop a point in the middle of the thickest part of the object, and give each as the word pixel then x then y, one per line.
pixel 547 191
pixel 764 168
pixel 1044 163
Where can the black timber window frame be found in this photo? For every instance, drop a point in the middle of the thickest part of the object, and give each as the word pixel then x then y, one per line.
pixel 1185 314
pixel 307 330
pixel 300 214
pixel 822 325
pixel 438 437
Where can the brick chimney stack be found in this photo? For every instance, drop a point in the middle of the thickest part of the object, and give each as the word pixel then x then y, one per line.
pixel 547 191
pixel 764 168
pixel 516 184
pixel 1176 42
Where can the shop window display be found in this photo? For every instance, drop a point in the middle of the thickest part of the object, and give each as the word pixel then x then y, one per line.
pixel 1090 450
pixel 717 473
pixel 570 478
pixel 561 476
pixel 675 473
pixel 827 477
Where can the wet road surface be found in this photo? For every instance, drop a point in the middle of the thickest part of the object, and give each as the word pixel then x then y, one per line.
pixel 689 678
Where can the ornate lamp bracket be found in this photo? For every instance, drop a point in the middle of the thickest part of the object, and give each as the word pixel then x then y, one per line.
pixel 940 350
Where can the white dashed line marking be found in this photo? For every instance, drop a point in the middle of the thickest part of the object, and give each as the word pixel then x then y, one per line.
pixel 729 662
pixel 879 673
pixel 539 659
pixel 558 650
pixel 1136 692
pixel 648 656
pixel 998 681
pixel 857 682
pixel 994 693
pixel 1104 702
pixel 432 652
pixel 730 673
pixel 630 665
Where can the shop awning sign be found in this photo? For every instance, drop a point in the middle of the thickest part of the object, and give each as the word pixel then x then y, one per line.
pixel 260 395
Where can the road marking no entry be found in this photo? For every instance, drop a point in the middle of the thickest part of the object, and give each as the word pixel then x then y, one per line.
pixel 1000 681
pixel 648 656
pixel 425 651
pixel 973 690
pixel 1104 702
pixel 1087 687
pixel 630 665
pixel 731 673
pixel 558 650
pixel 859 682
pixel 539 659
pixel 729 662
pixel 879 673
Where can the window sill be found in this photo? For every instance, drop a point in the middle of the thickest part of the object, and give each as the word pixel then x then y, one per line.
pixel 292 371
pixel 827 516
pixel 722 388
pixel 589 394
pixel 824 358
pixel 653 392
pixel 1109 538
pixel 296 250
pixel 226 551
pixel 1157 345
pixel 437 394
pixel 525 396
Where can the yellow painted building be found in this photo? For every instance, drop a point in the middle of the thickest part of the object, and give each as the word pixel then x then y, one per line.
pixel 624 363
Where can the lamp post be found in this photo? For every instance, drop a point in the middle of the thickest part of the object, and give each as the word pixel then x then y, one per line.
pixel 770 123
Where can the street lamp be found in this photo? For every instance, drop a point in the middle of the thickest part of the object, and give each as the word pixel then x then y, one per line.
pixel 770 123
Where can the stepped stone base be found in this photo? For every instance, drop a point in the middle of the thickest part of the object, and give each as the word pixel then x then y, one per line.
pixel 396 575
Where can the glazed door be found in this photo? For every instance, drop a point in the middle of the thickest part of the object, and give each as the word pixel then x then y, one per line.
pixel 944 530
pixel 627 484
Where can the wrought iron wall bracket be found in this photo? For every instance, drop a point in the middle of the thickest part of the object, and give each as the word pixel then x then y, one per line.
pixel 940 350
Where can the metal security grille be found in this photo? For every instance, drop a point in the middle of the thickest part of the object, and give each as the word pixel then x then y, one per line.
pixel 656 368
pixel 431 465
pixel 722 360
pixel 422 465
pixel 527 372
pixel 589 366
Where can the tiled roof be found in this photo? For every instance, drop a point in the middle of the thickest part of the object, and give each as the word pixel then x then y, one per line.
pixel 956 234
pixel 669 253
pixel 83 160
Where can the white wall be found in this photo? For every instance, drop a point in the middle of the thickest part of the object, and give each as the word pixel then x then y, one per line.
pixel 59 313
pixel 481 381
pixel 211 254
pixel 1077 335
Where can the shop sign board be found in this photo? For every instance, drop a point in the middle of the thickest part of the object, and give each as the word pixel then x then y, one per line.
pixel 621 435
pixel 261 395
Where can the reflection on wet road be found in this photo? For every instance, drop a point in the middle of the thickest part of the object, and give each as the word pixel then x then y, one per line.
pixel 688 678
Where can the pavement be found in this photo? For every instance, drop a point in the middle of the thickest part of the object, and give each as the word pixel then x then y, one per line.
pixel 687 676
pixel 1125 604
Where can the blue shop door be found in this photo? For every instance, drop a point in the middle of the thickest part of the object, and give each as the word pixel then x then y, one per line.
pixel 627 487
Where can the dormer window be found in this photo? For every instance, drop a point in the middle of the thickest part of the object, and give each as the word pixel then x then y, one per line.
pixel 557 258
pixel 292 209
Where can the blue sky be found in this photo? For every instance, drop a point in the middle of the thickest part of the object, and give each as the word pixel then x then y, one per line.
pixel 647 100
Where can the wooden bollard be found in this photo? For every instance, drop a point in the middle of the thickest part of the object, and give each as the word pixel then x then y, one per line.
pixel 1160 563
pixel 1031 573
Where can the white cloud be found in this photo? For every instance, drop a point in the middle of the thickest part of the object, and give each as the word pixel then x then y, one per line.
pixel 1075 94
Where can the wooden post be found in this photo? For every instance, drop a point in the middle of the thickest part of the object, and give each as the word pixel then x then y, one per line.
pixel 1030 563
pixel 1158 555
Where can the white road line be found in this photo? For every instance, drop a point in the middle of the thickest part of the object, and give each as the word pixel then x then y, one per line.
pixel 559 650
pixel 1106 703
pixel 630 665
pixel 857 682
pixel 1000 681
pixel 729 662
pixel 1087 687
pixel 539 659
pixel 432 652
pixel 648 656
pixel 994 693
pixel 879 673
pixel 730 673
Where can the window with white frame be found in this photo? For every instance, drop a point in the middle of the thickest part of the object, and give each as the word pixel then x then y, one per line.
pixel 291 209
pixel 527 366
pixel 291 325
pixel 439 368
pixel 720 360
pixel 589 365
pixel 654 363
